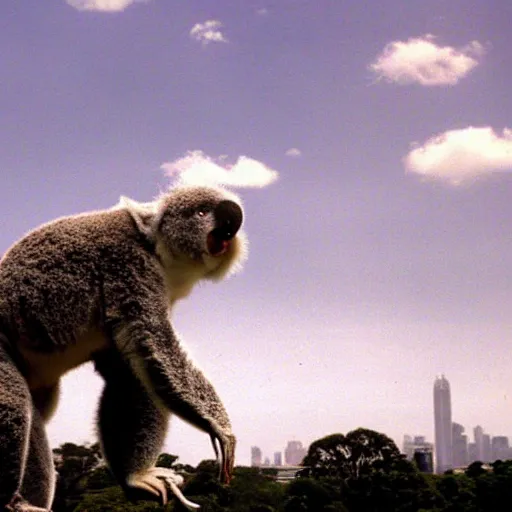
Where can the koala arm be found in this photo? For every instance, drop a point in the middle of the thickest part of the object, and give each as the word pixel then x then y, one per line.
pixel 155 355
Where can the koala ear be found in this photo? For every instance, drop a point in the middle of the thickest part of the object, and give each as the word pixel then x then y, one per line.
pixel 143 214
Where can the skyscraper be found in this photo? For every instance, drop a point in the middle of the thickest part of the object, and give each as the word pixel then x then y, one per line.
pixel 443 424
pixel 460 446
pixel 500 448
pixel 294 453
pixel 478 433
pixel 255 456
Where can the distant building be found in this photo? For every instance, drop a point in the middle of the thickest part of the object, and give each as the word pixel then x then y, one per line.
pixel 294 453
pixel 460 446
pixel 255 456
pixel 472 453
pixel 278 459
pixel 443 425
pixel 487 454
pixel 407 446
pixel 478 434
pixel 266 462
pixel 500 448
pixel 424 460
pixel 415 444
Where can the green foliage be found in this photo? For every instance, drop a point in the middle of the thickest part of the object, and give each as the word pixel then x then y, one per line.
pixel 74 464
pixel 307 494
pixel 253 490
pixel 165 460
pixel 360 471
pixel 113 500
pixel 364 470
pixel 100 478
pixel 359 453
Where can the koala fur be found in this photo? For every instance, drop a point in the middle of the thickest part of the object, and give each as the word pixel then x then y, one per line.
pixel 99 286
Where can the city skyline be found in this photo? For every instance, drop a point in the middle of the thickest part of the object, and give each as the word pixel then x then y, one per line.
pixel 452 448
pixel 379 257
pixel 294 452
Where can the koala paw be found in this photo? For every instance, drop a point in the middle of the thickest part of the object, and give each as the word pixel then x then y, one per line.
pixel 18 504
pixel 157 480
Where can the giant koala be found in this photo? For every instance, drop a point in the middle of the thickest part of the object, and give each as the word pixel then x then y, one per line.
pixel 99 286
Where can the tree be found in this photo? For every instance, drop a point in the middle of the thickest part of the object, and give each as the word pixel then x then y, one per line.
pixel 113 500
pixel 255 490
pixel 165 460
pixel 74 464
pixel 360 452
pixel 307 494
pixel 364 470
pixel 205 489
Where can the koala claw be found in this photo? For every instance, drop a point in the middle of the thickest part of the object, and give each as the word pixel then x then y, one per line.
pixel 154 480
pixel 18 504
pixel 174 481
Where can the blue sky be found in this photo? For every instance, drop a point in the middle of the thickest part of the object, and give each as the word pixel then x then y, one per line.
pixel 378 259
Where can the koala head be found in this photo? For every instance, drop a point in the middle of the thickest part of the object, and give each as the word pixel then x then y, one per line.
pixel 198 228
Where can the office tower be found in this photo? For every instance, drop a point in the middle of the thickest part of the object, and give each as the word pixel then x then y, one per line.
pixel 255 456
pixel 443 424
pixel 294 453
pixel 278 459
pixel 460 446
pixel 500 449
pixel 478 435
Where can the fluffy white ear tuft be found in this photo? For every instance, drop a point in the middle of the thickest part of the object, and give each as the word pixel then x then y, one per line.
pixel 142 213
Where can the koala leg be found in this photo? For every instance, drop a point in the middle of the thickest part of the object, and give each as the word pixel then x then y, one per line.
pixel 132 430
pixel 38 485
pixel 16 418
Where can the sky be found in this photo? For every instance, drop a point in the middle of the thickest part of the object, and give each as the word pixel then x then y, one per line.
pixel 381 255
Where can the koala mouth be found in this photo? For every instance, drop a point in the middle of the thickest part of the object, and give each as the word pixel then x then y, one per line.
pixel 218 242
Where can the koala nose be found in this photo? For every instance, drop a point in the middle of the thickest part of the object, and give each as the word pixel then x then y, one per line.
pixel 228 219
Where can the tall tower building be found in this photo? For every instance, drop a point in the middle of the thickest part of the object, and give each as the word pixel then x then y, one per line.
pixel 443 424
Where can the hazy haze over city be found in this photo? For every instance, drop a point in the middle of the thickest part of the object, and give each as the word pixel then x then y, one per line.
pixel 379 258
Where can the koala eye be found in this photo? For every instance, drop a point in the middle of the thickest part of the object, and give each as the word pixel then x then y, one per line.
pixel 200 213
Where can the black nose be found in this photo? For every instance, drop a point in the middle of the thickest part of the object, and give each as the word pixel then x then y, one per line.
pixel 228 219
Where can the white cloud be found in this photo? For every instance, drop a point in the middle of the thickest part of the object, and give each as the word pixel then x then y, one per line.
pixel 420 60
pixel 458 156
pixel 293 152
pixel 197 168
pixel 102 5
pixel 208 32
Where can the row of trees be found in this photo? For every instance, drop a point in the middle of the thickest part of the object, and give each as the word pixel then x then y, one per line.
pixel 362 471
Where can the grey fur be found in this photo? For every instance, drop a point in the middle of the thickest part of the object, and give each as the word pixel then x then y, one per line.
pixel 99 286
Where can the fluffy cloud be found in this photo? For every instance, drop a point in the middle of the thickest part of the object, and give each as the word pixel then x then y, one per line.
pixel 420 60
pixel 208 32
pixel 102 5
pixel 197 168
pixel 459 156
pixel 293 152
